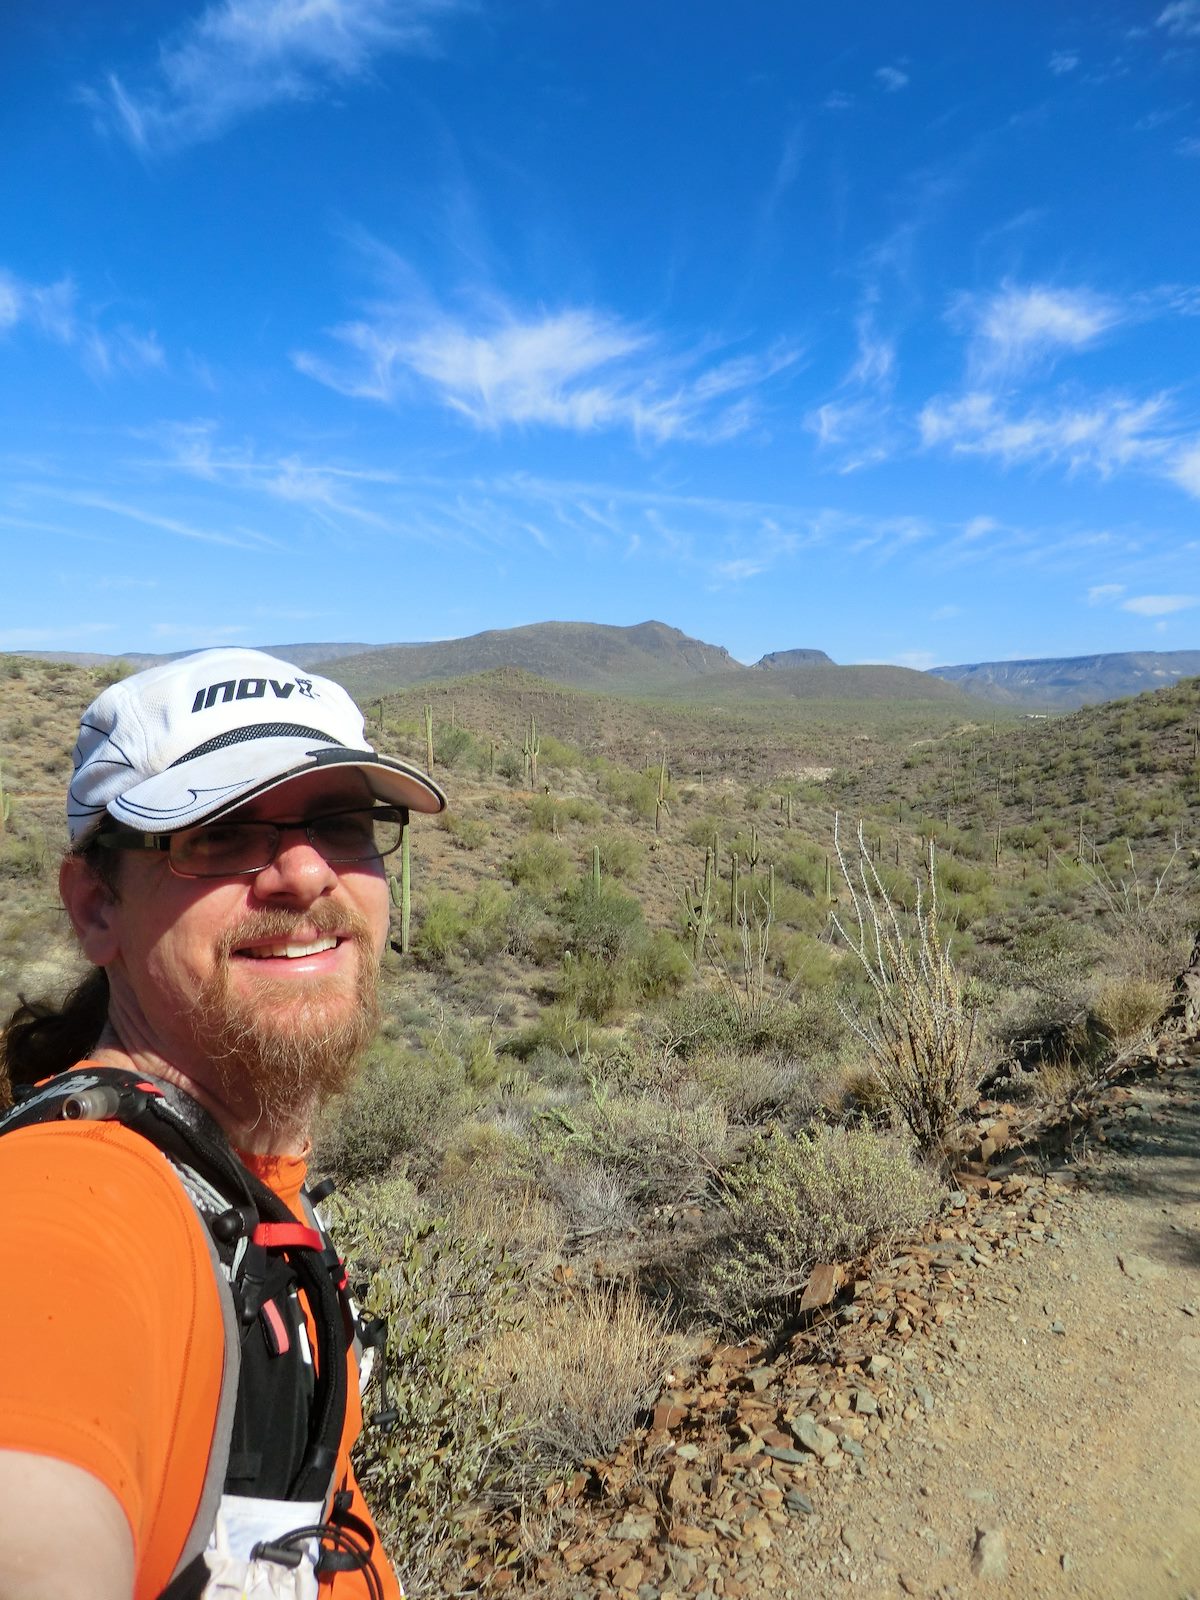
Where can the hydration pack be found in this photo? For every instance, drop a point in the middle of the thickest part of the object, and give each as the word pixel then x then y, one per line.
pixel 271 1517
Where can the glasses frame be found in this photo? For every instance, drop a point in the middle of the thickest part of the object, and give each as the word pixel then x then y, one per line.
pixel 131 839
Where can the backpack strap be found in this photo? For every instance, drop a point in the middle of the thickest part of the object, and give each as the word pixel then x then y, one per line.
pixel 241 1219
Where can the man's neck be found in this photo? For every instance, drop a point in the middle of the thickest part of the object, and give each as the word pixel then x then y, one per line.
pixel 250 1137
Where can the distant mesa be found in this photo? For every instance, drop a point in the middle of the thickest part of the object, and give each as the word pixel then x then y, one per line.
pixel 654 660
pixel 1066 683
pixel 796 658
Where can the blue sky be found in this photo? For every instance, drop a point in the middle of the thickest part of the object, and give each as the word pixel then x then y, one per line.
pixel 870 328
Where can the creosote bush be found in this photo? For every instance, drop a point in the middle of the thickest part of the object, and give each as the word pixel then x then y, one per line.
pixel 826 1195
pixel 403 1103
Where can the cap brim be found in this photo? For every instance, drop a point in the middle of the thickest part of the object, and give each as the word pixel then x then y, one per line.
pixel 219 781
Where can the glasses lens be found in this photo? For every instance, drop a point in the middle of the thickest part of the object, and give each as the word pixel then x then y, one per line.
pixel 224 849
pixel 356 835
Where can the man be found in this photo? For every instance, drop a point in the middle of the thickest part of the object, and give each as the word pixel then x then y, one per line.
pixel 225 879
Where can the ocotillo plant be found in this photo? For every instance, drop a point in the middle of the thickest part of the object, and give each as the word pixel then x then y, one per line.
pixel 428 737
pixel 5 804
pixel 733 889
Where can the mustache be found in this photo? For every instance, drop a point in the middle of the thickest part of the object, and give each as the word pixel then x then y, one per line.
pixel 276 924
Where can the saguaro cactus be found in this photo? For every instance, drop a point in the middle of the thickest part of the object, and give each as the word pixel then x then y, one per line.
pixel 533 748
pixel 699 908
pixel 5 804
pixel 596 867
pixel 428 737
pixel 402 889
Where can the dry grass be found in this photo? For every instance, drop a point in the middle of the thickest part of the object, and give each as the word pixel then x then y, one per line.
pixel 577 1371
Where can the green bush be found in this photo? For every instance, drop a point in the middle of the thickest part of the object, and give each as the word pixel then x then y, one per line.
pixel 543 866
pixel 467 832
pixel 446 1299
pixel 621 854
pixel 442 930
pixel 798 1200
pixel 488 921
pixel 403 1104
pixel 602 921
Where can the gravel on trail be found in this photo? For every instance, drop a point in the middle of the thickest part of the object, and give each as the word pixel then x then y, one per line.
pixel 1006 1406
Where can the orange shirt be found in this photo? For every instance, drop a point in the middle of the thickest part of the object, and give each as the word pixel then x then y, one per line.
pixel 111 1345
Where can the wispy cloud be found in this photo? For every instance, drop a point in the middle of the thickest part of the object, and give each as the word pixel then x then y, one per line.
pixel 1188 147
pixel 240 56
pixel 1159 605
pixel 1062 62
pixel 51 310
pixel 1017 327
pixel 1102 594
pixel 891 78
pixel 1181 19
pixel 581 370
pixel 837 100
pixel 1108 433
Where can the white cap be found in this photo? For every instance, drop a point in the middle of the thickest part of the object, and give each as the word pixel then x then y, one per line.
pixel 189 741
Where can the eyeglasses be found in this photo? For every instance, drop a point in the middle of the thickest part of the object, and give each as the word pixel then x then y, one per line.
pixel 235 849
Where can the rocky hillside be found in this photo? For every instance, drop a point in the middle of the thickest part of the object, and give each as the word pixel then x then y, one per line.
pixel 1063 684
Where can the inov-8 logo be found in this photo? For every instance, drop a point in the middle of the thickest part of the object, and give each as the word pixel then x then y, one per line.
pixel 248 689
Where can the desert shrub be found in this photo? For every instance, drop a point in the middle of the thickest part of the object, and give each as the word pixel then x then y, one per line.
pixel 446 1299
pixel 663 967
pixel 621 854
pixel 700 830
pixel 529 931
pixel 442 930
pixel 467 832
pixel 602 921
pixel 482 1155
pixel 22 858
pixel 635 791
pixel 593 1197
pixel 1127 1007
pixel 663 1152
pixel 458 748
pixel 548 815
pixel 813 1197
pixel 557 754
pixel 489 921
pixel 753 1088
pixel 557 1029
pixel 402 1104
pixel 464 1051
pixel 576 1373
pixel 597 987
pixel 543 866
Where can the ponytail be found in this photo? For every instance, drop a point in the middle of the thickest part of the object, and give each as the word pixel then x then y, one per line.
pixel 42 1039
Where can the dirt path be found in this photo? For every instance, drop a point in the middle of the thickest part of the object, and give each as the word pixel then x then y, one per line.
pixel 1059 1452
pixel 1008 1406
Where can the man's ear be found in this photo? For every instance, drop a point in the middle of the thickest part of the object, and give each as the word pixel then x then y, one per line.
pixel 92 907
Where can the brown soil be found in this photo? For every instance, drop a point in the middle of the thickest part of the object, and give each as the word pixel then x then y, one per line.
pixel 1010 1404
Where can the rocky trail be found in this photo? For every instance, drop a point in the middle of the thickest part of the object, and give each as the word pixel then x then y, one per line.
pixel 1005 1406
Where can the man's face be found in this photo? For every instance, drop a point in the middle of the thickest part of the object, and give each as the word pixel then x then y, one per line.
pixel 260 988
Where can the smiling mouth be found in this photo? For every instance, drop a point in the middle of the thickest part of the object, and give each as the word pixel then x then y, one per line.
pixel 289 951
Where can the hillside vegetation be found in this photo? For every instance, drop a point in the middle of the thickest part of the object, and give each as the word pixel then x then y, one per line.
pixel 633 1083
